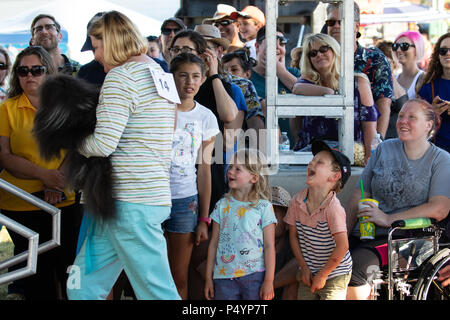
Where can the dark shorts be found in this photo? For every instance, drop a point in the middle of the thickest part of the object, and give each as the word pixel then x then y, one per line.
pixel 183 215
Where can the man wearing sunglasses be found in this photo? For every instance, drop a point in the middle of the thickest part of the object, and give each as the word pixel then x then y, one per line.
pixel 46 32
pixel 168 30
pixel 287 76
pixel 228 27
pixel 372 62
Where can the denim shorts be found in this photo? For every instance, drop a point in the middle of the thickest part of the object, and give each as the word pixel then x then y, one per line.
pixel 242 288
pixel 183 215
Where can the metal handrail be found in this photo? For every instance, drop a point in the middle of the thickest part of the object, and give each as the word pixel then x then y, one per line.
pixel 33 248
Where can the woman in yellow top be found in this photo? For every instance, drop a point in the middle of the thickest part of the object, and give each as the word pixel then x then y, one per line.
pixel 24 168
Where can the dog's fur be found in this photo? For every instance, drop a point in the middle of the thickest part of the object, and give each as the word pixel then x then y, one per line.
pixel 66 116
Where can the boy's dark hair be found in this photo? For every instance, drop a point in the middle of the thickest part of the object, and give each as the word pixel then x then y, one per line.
pixel 243 56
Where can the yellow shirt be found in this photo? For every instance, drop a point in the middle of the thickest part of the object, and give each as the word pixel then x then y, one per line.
pixel 16 122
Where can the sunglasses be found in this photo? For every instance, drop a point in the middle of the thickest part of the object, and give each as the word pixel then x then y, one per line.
pixel 403 46
pixel 443 51
pixel 3 66
pixel 322 49
pixel 177 50
pixel 168 31
pixel 332 22
pixel 236 54
pixel 283 40
pixel 223 23
pixel 36 71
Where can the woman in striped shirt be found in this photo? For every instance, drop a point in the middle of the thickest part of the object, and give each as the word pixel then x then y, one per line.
pixel 135 130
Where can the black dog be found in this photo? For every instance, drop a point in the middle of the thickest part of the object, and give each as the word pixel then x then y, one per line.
pixel 66 116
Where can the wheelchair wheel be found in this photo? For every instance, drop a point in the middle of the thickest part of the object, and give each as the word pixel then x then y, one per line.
pixel 427 286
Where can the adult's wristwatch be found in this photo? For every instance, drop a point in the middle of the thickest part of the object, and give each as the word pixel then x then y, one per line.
pixel 215 76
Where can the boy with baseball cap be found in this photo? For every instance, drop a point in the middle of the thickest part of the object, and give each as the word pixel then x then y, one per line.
pixel 250 20
pixel 317 227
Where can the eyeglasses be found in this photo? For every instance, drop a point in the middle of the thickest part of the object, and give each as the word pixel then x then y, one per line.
pixel 223 23
pixel 403 46
pixel 322 49
pixel 443 51
pixel 332 22
pixel 47 27
pixel 177 50
pixel 168 31
pixel 235 54
pixel 3 66
pixel 283 40
pixel 36 71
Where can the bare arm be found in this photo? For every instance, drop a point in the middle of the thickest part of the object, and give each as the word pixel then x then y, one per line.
pixel 24 169
pixel 286 78
pixel 204 188
pixel 335 259
pixel 384 106
pixel 309 89
pixel 266 291
pixel 436 207
pixel 212 251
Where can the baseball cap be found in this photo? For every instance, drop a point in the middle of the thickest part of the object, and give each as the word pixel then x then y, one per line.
pixel 179 22
pixel 342 160
pixel 212 33
pixel 223 11
pixel 250 12
pixel 280 197
pixel 88 44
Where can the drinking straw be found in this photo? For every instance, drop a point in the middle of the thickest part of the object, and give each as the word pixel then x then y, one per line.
pixel 362 189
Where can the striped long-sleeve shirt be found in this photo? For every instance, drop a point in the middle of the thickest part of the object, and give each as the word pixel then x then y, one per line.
pixel 315 232
pixel 135 128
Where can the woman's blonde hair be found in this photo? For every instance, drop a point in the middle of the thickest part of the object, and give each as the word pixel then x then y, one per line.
pixel 308 71
pixel 255 162
pixel 121 38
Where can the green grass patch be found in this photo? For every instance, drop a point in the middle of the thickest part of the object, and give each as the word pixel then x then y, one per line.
pixel 6 251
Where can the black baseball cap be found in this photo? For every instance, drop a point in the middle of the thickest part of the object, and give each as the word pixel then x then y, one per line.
pixel 179 22
pixel 88 44
pixel 342 160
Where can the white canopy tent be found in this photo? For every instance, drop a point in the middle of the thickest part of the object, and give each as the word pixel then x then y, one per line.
pixel 74 17
pixel 404 11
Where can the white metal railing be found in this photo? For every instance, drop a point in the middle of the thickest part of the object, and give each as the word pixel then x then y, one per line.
pixel 289 105
pixel 33 238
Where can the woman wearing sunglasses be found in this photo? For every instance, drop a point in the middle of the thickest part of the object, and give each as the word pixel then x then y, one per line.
pixel 23 167
pixel 5 65
pixel 320 65
pixel 436 88
pixel 409 48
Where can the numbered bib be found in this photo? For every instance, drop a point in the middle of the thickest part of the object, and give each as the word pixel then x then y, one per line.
pixel 165 85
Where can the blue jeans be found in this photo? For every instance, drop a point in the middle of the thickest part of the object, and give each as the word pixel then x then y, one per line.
pixel 242 288
pixel 183 215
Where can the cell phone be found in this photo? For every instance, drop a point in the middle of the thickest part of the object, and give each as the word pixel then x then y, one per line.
pixel 41 195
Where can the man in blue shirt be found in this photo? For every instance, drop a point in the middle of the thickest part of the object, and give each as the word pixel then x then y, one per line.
pixel 287 76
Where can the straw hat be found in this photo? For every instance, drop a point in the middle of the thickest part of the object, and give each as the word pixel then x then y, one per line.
pixel 280 197
pixel 212 33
